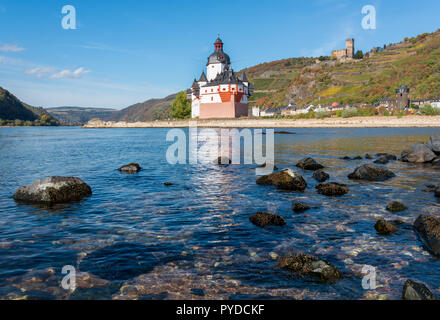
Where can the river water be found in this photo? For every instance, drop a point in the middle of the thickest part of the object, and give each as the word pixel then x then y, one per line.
pixel 136 238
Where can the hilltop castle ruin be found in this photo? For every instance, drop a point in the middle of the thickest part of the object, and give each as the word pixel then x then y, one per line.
pixel 347 53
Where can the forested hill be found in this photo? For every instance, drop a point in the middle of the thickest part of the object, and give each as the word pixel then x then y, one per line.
pixel 13 111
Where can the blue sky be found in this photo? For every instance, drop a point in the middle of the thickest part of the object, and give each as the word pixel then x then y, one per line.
pixel 124 52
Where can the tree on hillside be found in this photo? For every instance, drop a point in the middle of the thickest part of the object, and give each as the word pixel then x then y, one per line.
pixel 359 54
pixel 181 107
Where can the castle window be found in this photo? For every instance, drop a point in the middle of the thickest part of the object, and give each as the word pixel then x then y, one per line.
pixel 212 98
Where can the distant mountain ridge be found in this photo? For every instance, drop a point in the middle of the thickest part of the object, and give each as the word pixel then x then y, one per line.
pixel 81 115
pixel 153 109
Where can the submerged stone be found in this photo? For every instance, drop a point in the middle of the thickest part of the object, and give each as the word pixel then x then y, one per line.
pixel 304 264
pixel 332 189
pixel 124 261
pixel 299 207
pixel 264 219
pixel 396 206
pixel 385 228
pixel 388 156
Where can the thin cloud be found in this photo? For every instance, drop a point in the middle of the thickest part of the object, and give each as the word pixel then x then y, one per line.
pixel 11 61
pixel 11 48
pixel 40 72
pixel 70 74
pixel 103 47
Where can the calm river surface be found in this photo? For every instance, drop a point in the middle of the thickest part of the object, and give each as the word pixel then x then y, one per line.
pixel 137 238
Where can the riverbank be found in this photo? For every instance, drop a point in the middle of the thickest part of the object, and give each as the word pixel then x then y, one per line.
pixel 357 122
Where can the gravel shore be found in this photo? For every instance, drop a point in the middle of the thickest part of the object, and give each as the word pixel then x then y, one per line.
pixel 358 122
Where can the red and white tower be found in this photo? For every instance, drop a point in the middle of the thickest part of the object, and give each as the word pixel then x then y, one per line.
pixel 220 93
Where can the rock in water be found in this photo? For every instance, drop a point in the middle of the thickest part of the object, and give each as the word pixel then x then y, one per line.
pixel 264 219
pixel 332 189
pixel 413 290
pixel 437 191
pixel 396 206
pixel 371 172
pixel 299 207
pixel 223 161
pixel 264 165
pixel 419 153
pixel 385 228
pixel 368 156
pixel 321 176
pixel 304 264
pixel 53 190
pixel 284 180
pixel 428 228
pixel 309 164
pixel 382 160
pixel 130 168
pixel 390 157
pixel 434 144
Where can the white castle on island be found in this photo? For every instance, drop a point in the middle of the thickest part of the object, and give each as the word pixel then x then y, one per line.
pixel 220 93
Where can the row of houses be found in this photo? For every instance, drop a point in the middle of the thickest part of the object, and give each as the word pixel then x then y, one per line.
pixel 402 102
pixel 293 109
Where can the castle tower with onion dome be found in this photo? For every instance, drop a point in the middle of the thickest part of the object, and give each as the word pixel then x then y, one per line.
pixel 220 93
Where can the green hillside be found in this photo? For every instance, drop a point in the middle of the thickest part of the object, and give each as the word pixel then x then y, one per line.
pixel 15 112
pixel 414 62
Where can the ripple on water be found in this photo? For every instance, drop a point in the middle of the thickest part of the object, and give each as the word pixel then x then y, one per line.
pixel 136 238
